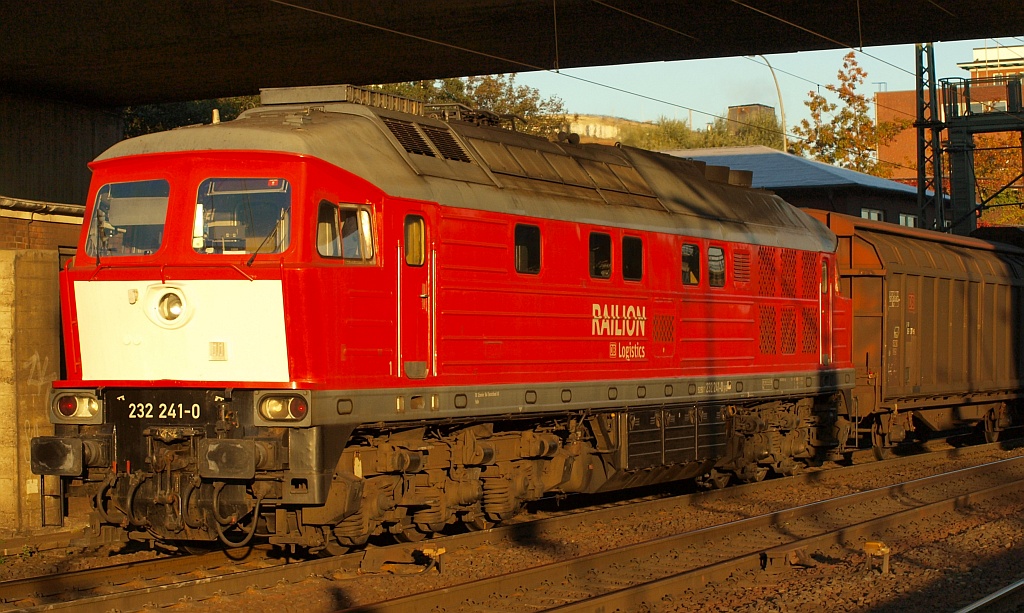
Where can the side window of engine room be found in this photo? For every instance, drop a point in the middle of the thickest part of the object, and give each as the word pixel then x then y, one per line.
pixel 600 255
pixel 344 232
pixel 527 249
pixel 632 258
pixel 691 264
pixel 716 267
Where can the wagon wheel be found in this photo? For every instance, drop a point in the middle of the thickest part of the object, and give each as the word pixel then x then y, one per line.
pixel 991 430
pixel 878 442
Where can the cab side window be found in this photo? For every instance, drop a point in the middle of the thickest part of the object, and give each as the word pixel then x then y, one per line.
pixel 527 251
pixel 691 264
pixel 600 255
pixel 344 232
pixel 328 243
pixel 632 258
pixel 716 267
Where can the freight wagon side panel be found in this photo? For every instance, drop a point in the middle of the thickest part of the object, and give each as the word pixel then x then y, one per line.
pixel 947 331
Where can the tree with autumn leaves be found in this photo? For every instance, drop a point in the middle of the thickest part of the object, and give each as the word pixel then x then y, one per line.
pixel 498 94
pixel 843 133
pixel 997 176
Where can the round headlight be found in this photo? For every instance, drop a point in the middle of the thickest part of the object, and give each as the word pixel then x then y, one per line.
pixel 170 306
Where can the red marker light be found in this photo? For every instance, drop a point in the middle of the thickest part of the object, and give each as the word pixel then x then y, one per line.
pixel 67 405
pixel 272 182
pixel 298 408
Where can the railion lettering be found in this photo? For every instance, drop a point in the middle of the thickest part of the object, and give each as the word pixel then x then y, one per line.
pixel 619 320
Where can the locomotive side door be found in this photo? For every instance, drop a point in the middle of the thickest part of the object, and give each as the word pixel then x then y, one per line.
pixel 415 293
pixel 825 309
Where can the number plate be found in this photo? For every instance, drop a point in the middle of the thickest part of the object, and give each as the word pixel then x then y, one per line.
pixel 170 406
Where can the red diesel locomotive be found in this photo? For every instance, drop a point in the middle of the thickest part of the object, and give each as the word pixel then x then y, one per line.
pixel 325 321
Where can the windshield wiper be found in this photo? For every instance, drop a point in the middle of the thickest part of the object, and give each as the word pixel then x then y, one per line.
pixel 266 238
pixel 99 232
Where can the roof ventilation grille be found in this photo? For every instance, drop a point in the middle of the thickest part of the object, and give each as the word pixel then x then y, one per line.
pixel 408 136
pixel 445 143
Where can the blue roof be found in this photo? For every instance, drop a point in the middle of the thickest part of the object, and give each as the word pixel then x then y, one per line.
pixel 774 169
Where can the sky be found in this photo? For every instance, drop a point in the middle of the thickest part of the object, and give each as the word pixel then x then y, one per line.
pixel 696 90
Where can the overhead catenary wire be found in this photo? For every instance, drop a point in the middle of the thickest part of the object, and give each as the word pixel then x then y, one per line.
pixel 820 35
pixel 530 66
pixel 511 61
pixel 644 19
pixel 785 130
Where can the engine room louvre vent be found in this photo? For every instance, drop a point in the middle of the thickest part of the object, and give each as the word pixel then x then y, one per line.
pixel 664 328
pixel 809 274
pixel 788 276
pixel 788 330
pixel 445 143
pixel 767 324
pixel 766 271
pixel 741 267
pixel 408 136
pixel 808 315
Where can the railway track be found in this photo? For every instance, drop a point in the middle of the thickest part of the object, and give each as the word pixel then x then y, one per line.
pixel 1005 599
pixel 168 580
pixel 643 574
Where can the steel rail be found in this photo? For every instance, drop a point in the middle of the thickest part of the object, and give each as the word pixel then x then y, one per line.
pixel 91 586
pixel 622 577
pixel 1010 594
pixel 676 584
pixel 82 583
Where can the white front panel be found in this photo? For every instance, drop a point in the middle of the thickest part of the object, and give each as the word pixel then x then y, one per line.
pixel 228 331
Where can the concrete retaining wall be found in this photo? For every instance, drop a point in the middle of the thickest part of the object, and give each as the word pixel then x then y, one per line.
pixel 29 362
pixel 31 245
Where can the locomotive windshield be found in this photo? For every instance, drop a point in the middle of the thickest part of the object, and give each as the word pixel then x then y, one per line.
pixel 242 216
pixel 128 218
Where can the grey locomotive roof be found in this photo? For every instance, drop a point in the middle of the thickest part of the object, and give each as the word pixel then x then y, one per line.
pixel 464 165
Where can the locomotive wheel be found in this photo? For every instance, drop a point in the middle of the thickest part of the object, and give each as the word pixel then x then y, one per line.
pixel 199 548
pixel 715 479
pixel 752 473
pixel 405 531
pixel 409 534
pixel 478 523
pixel 332 546
pixel 789 467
